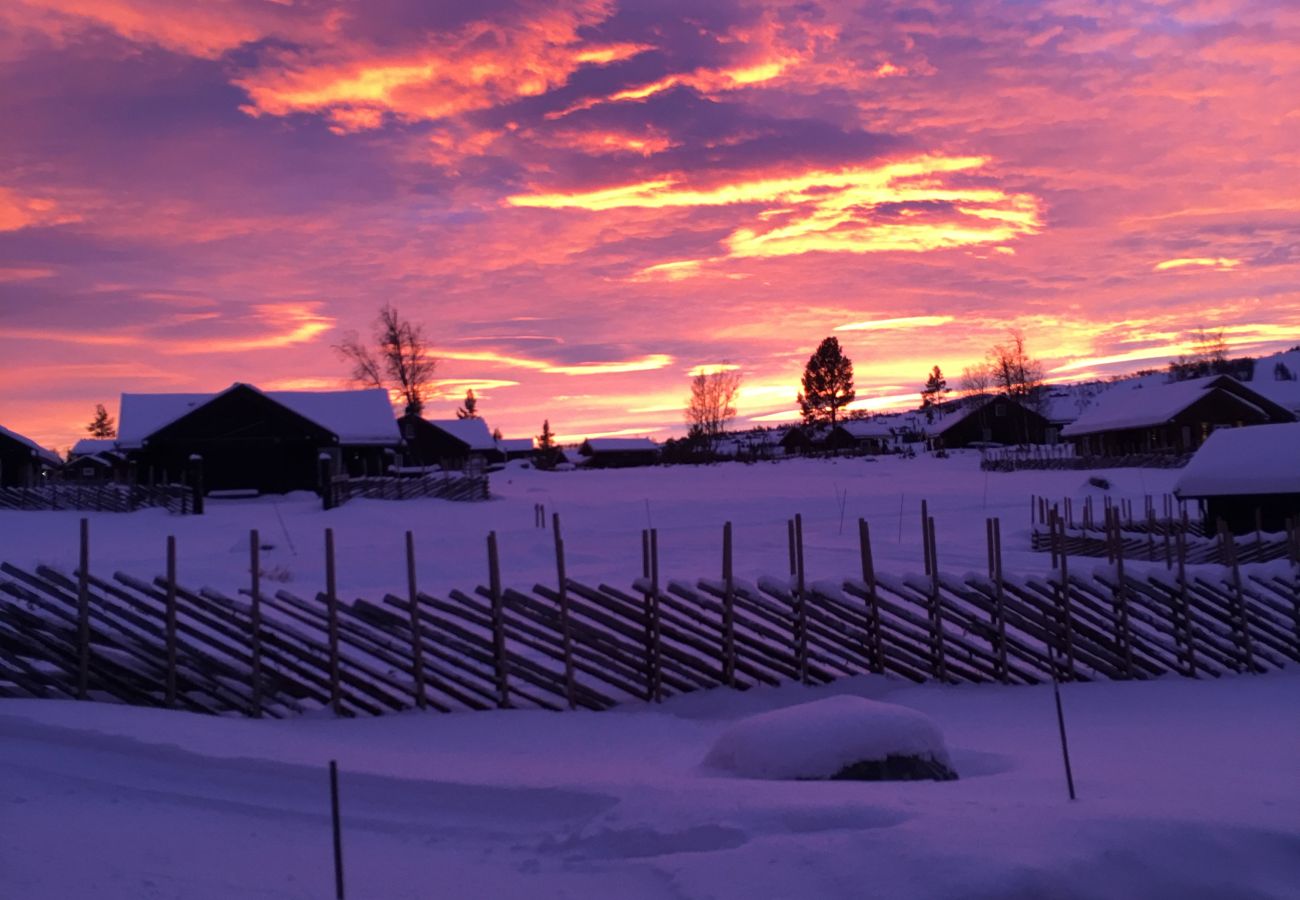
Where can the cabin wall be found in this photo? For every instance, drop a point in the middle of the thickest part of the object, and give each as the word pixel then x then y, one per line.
pixel 18 468
pixel 1240 511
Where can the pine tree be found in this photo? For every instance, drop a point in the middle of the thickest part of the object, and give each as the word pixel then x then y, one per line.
pixel 827 384
pixel 546 455
pixel 936 386
pixel 102 426
pixel 468 410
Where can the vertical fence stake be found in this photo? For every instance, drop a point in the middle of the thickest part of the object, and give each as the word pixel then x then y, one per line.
pixel 417 644
pixel 1060 724
pixel 566 625
pixel 255 619
pixel 338 830
pixel 332 614
pixel 498 623
pixel 171 621
pixel 999 604
pixel 83 614
pixel 873 602
pixel 801 600
pixel 728 610
pixel 938 649
pixel 652 621
pixel 925 537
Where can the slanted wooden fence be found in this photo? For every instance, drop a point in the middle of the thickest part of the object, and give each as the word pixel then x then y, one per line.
pixel 107 497
pixel 443 486
pixel 569 644
pixel 1061 456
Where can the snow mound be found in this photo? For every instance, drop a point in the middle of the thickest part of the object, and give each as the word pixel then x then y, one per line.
pixel 839 737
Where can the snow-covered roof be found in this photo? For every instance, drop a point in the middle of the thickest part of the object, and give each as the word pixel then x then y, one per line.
pixel 357 417
pixel 1283 392
pixel 867 428
pixel 619 445
pixel 48 455
pixel 473 433
pixel 1144 404
pixel 1257 459
pixel 516 445
pixel 92 446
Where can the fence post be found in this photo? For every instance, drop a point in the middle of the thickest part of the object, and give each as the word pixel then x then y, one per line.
pixel 728 611
pixel 498 623
pixel 801 600
pixel 566 625
pixel 171 621
pixel 417 644
pixel 873 601
pixel 1184 607
pixel 999 603
pixel 1123 637
pixel 255 624
pixel 1063 588
pixel 83 613
pixel 196 482
pixel 925 537
pixel 652 619
pixel 337 828
pixel 1241 627
pixel 332 617
pixel 938 649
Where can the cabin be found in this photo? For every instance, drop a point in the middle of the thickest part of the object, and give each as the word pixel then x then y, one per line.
pixel 517 448
pixel 1172 418
pixel 453 444
pixel 94 460
pixel 23 462
pixel 798 440
pixel 245 439
pixel 985 421
pixel 859 436
pixel 1248 477
pixel 618 453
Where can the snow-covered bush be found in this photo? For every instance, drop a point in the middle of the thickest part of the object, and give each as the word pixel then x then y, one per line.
pixel 840 737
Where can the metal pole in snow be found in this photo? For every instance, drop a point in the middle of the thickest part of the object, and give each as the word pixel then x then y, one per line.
pixel 1060 724
pixel 338 830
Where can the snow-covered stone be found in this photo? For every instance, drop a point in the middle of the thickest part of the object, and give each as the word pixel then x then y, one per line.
pixel 823 739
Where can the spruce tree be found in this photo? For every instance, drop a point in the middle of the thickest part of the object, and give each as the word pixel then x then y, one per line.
pixel 102 426
pixel 545 455
pixel 469 410
pixel 827 384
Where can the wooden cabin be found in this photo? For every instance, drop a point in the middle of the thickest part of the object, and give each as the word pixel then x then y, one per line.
pixel 990 420
pixel 618 453
pixel 1247 477
pixel 859 436
pixel 1173 417
pixel 95 460
pixel 23 462
pixel 453 444
pixel 246 439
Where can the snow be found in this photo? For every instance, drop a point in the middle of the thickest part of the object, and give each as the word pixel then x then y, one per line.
pixel 867 428
pixel 1186 789
pixel 619 445
pixel 818 739
pixel 517 445
pixel 1259 459
pixel 473 433
pixel 92 447
pixel 357 417
pixel 48 455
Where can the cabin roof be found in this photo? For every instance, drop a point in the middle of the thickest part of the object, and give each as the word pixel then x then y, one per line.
pixel 1142 404
pixel 473 432
pixel 1257 459
pixel 46 454
pixel 619 445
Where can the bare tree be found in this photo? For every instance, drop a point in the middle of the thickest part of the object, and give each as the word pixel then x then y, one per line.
pixel 712 404
pixel 1209 356
pixel 399 361
pixel 1013 372
pixel 975 381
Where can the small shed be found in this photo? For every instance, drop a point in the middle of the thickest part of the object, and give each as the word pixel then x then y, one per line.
pixel 23 462
pixel 1174 417
pixel 459 444
pixel 617 453
pixel 798 440
pixel 248 439
pixel 860 436
pixel 987 420
pixel 95 460
pixel 1246 477
pixel 517 448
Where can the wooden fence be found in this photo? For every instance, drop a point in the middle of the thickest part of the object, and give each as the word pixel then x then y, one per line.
pixel 107 497
pixel 569 644
pixel 443 486
pixel 1012 459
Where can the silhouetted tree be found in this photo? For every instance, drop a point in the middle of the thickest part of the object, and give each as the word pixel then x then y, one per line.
pixel 936 386
pixel 827 383
pixel 400 360
pixel 468 409
pixel 546 455
pixel 102 426
pixel 1013 372
pixel 1209 356
pixel 712 404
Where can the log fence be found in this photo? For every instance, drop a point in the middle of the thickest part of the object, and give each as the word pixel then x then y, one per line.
pixel 574 645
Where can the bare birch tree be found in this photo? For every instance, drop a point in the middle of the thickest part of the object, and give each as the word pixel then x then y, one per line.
pixel 712 404
pixel 398 361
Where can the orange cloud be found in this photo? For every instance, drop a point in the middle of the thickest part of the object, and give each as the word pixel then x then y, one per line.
pixel 890 324
pixel 643 364
pixel 23 211
pixel 1218 262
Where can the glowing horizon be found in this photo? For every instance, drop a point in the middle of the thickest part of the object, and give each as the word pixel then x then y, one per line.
pixel 585 203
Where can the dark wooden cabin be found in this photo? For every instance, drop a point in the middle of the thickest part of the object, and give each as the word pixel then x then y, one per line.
pixel 859 436
pixel 250 440
pixel 988 420
pixel 1175 417
pixel 23 462
pixel 1246 477
pixel 619 453
pixel 454 444
pixel 93 460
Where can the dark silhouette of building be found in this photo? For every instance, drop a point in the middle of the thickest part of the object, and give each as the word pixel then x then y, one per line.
pixel 1247 477
pixel 987 421
pixel 23 462
pixel 617 453
pixel 460 444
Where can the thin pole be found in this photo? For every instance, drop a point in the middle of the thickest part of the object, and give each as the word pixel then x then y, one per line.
pixel 332 613
pixel 498 622
pixel 417 645
pixel 255 610
pixel 873 602
pixel 171 620
pixel 1060 724
pixel 338 830
pixel 728 610
pixel 566 626
pixel 801 620
pixel 83 614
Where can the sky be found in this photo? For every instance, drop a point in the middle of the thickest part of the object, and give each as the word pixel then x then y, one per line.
pixel 582 204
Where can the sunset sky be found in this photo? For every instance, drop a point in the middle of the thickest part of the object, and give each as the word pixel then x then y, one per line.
pixel 583 203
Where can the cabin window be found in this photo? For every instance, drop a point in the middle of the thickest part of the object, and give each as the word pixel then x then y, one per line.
pixel 88 472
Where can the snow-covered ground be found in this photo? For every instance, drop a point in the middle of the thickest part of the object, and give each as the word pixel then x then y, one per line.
pixel 1187 789
pixel 602 514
